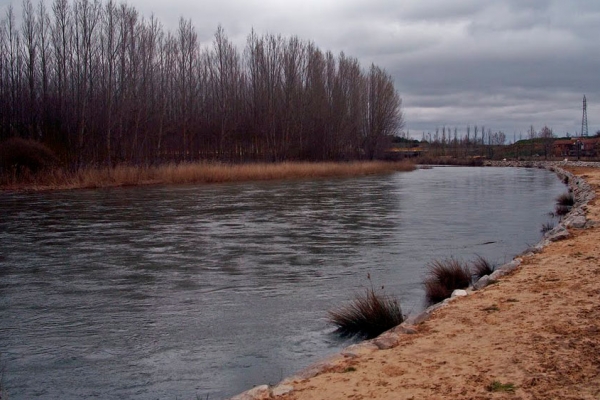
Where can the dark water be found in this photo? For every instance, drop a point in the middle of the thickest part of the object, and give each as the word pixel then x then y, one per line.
pixel 184 292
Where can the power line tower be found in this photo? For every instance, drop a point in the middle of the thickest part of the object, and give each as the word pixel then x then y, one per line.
pixel 584 124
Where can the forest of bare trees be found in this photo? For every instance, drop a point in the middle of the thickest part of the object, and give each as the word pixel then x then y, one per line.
pixel 100 85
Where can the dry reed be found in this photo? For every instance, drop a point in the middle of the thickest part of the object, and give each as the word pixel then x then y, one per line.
pixel 481 267
pixel 193 173
pixel 367 316
pixel 443 277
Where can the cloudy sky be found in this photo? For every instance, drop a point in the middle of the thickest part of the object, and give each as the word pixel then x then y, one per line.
pixel 505 64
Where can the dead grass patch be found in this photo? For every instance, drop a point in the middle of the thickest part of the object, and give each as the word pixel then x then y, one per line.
pixel 367 316
pixel 196 173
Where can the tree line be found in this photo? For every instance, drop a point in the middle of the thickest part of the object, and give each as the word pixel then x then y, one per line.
pixel 477 141
pixel 100 85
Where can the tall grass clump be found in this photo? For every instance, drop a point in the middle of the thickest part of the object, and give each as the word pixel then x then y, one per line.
pixel 367 316
pixel 547 227
pixel 561 210
pixel 564 203
pixel 443 277
pixel 481 267
pixel 565 199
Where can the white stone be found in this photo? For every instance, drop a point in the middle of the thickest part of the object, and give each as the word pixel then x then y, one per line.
pixel 459 293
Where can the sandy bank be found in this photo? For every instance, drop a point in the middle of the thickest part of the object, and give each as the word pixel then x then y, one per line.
pixel 533 335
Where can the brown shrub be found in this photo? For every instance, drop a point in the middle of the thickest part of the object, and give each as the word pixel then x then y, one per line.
pixel 21 156
pixel 443 277
pixel 481 267
pixel 367 316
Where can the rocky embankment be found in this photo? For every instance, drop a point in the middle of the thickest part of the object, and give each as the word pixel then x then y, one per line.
pixel 576 219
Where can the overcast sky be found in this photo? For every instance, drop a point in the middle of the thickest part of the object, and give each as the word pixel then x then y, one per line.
pixel 503 64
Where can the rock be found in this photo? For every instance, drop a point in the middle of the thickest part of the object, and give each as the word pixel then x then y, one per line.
pixel 459 293
pixel 482 282
pixel 417 319
pixel 261 392
pixel 280 390
pixel 577 222
pixel 511 266
pixel 497 274
pixel 558 234
pixel 386 340
pixel 405 329
pixel 357 349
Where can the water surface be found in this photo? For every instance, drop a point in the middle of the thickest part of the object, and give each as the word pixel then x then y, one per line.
pixel 185 291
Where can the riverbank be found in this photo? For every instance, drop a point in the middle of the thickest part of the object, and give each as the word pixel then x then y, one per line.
pixel 533 334
pixel 194 173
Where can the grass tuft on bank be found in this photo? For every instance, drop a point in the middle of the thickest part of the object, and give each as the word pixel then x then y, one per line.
pixel 193 173
pixel 547 227
pixel 443 277
pixel 565 199
pixel 367 316
pixel 564 204
pixel 481 267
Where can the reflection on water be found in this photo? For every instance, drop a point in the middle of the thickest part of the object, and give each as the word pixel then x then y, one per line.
pixel 173 292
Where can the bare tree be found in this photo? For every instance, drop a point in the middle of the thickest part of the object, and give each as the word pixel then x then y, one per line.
pixel 384 117
pixel 104 86
pixel 547 137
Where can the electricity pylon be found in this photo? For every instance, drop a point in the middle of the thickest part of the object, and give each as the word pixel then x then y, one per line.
pixel 584 124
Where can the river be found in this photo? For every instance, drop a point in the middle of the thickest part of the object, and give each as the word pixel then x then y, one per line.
pixel 186 292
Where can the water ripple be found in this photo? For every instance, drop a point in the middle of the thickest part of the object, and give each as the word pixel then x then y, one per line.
pixel 170 292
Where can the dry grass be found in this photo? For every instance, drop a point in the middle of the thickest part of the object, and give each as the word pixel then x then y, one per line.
pixel 443 277
pixel 565 199
pixel 367 316
pixel 196 173
pixel 481 267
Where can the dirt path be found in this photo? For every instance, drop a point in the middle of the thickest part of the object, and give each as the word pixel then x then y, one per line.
pixel 536 333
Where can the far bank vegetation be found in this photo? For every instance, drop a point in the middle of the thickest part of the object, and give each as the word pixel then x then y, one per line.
pixel 100 85
pixel 192 173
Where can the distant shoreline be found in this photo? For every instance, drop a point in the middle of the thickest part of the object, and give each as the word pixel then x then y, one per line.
pixel 194 173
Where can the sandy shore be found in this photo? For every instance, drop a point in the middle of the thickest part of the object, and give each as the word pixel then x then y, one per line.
pixel 533 335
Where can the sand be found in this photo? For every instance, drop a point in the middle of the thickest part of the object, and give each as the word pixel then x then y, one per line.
pixel 535 333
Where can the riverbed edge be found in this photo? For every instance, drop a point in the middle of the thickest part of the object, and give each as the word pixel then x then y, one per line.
pixel 582 192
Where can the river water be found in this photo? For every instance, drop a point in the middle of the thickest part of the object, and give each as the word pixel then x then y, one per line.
pixel 186 292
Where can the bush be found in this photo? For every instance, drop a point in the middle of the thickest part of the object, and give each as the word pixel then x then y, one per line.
pixel 547 227
pixel 22 155
pixel 481 267
pixel 565 199
pixel 561 210
pixel 367 316
pixel 435 292
pixel 443 277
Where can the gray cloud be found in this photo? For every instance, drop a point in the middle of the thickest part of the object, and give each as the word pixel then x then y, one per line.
pixel 504 64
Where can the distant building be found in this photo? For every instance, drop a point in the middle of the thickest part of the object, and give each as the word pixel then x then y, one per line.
pixel 576 147
pixel 400 153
